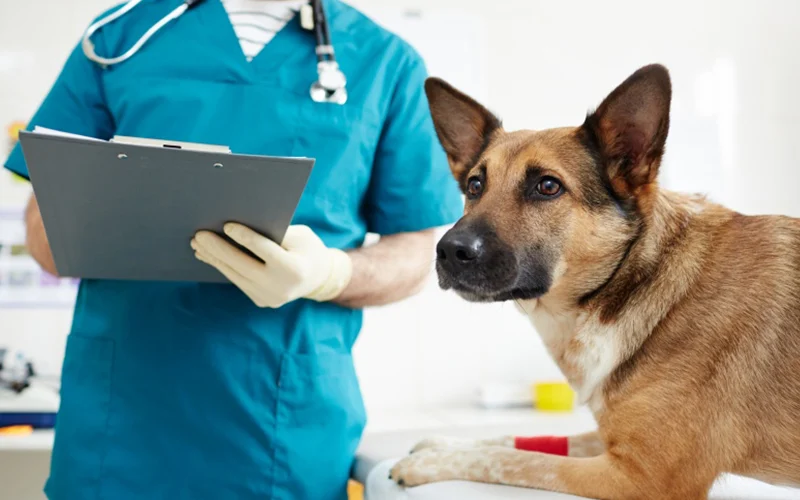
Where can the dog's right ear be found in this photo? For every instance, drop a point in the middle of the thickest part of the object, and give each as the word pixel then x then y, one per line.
pixel 464 127
pixel 630 129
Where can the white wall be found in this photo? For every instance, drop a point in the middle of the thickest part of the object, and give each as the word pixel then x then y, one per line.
pixel 543 63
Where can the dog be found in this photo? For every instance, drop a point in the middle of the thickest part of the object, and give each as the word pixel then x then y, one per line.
pixel 674 319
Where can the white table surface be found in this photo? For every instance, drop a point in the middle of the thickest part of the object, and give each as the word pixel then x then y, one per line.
pixel 379 487
pixel 40 440
pixel 380 450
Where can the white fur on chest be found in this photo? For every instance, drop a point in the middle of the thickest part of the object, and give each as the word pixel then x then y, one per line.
pixel 585 350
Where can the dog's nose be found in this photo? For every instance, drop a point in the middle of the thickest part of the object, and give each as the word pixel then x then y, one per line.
pixel 459 249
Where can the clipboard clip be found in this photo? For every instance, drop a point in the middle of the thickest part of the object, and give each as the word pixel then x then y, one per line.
pixel 188 146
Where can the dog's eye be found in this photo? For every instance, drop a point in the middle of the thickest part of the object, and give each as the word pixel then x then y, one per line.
pixel 474 187
pixel 548 187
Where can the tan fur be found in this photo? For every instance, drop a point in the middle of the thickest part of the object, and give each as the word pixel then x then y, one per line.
pixel 688 354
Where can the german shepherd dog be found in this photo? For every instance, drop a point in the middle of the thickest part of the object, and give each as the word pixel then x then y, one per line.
pixel 676 320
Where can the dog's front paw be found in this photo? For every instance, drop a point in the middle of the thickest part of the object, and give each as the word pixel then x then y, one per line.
pixel 444 443
pixel 424 466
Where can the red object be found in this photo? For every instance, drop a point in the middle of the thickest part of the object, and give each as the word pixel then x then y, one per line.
pixel 552 445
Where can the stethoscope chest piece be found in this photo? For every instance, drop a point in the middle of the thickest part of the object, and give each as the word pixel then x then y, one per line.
pixel 331 84
pixel 321 94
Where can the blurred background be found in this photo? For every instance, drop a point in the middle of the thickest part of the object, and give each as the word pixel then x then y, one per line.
pixel 537 64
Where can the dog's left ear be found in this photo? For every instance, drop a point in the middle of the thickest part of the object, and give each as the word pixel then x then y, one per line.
pixel 630 129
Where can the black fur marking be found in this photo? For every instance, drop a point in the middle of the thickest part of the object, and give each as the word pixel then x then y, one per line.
pixel 594 293
pixel 533 174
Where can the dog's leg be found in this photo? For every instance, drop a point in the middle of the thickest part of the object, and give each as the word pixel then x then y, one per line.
pixel 455 443
pixel 582 445
pixel 596 477
pixel 586 445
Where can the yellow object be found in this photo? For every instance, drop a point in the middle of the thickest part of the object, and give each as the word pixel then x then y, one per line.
pixel 18 178
pixel 13 130
pixel 16 430
pixel 355 490
pixel 553 396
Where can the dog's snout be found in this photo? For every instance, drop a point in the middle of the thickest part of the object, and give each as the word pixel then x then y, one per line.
pixel 472 260
pixel 459 249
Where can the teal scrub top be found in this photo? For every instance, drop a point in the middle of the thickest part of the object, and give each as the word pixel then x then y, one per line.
pixel 188 390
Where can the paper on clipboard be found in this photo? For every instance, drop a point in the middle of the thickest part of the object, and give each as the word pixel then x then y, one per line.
pixel 48 131
pixel 139 141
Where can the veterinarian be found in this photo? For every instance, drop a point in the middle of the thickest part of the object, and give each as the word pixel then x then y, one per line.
pixel 244 391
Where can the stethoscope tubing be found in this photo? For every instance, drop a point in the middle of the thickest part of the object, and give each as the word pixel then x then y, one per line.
pixel 331 79
pixel 88 46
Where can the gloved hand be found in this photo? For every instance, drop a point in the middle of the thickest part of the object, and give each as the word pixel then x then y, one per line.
pixel 301 267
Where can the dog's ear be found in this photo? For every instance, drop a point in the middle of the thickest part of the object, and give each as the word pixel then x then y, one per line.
pixel 464 127
pixel 630 129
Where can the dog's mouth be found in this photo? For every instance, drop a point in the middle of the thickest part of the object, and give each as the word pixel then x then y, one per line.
pixel 504 296
pixel 485 292
pixel 520 294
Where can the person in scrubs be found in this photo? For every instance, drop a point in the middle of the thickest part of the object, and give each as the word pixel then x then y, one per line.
pixel 244 390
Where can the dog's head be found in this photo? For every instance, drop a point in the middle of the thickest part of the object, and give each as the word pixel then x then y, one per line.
pixel 551 209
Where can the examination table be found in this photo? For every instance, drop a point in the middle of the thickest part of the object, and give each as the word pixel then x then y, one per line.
pixel 378 451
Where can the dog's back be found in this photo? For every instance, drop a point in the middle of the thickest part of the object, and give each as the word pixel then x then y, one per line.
pixel 729 346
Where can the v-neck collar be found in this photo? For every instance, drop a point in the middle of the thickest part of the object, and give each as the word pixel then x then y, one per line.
pixel 290 43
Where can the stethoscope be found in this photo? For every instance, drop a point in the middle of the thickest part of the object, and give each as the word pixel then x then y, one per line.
pixel 331 82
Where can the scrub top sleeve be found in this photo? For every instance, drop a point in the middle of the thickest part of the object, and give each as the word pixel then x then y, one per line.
pixel 75 104
pixel 411 188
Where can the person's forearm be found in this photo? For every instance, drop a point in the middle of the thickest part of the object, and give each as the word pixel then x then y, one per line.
pixel 393 269
pixel 36 239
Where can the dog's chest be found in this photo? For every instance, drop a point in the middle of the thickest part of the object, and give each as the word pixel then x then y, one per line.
pixel 585 350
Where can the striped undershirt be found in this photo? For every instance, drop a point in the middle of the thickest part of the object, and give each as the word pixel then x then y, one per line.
pixel 257 21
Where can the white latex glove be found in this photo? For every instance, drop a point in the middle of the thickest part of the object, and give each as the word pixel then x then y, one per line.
pixel 301 267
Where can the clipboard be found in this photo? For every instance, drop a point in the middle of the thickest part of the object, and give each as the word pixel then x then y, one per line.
pixel 127 209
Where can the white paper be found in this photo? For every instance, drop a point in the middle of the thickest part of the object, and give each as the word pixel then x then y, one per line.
pixel 49 131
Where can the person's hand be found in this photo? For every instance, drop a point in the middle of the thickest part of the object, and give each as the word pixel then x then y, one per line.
pixel 301 267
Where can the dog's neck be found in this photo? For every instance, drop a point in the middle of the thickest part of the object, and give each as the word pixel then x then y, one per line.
pixel 590 339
